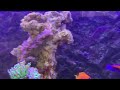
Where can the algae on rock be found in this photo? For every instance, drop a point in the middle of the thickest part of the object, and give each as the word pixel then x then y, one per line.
pixel 46 31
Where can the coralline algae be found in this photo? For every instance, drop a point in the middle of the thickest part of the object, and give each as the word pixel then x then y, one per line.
pixel 46 32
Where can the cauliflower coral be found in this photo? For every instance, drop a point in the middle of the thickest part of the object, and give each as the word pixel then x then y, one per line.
pixel 46 31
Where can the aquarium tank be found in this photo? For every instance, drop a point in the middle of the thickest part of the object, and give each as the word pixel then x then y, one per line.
pixel 60 45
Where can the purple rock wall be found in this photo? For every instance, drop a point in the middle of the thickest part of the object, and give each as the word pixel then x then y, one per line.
pixel 96 44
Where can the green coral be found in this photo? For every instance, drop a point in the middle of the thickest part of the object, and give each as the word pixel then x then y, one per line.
pixel 19 71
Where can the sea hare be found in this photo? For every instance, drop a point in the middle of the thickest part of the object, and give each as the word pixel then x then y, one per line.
pixel 46 31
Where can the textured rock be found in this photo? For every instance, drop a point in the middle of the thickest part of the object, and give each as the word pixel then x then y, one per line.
pixel 46 32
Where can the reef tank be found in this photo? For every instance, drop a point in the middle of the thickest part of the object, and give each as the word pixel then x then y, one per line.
pixel 60 45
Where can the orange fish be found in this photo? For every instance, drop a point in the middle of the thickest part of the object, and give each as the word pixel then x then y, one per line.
pixel 116 66
pixel 82 75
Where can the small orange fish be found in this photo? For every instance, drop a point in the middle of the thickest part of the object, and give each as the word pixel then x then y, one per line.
pixel 116 66
pixel 82 75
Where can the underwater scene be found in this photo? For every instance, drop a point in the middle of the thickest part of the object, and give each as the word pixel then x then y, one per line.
pixel 60 45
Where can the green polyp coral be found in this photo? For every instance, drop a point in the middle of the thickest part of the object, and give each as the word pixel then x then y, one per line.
pixel 19 71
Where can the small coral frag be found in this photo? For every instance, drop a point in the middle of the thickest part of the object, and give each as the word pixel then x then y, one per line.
pixel 22 71
pixel 19 71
